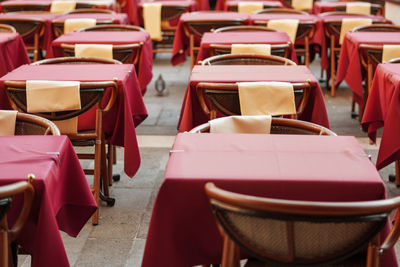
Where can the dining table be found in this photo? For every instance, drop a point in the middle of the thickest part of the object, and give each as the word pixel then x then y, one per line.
pixel 63 199
pixel 119 123
pixel 145 64
pixel 192 115
pixel 12 52
pixel 349 68
pixel 183 230
pixel 229 38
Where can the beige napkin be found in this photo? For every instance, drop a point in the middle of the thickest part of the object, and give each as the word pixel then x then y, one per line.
pixel 260 49
pixel 350 24
pixel 242 124
pixel 285 25
pixel 71 25
pixel 266 98
pixel 302 4
pixel 358 8
pixel 94 50
pixel 152 20
pixel 69 126
pixel 7 122
pixel 249 7
pixel 59 7
pixel 390 52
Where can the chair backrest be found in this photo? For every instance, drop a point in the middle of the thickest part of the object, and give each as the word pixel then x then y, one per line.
pixel 282 126
pixel 28 124
pixel 246 59
pixel 305 28
pixel 7 28
pixel 245 28
pixel 282 50
pixel 27 28
pixel 280 11
pixel 292 232
pixel 90 10
pixel 234 8
pixel 77 60
pixel 376 9
pixel 113 27
pixel 16 7
pixel 377 28
pixel 224 98
pixel 58 26
pixel 373 52
pixel 394 60
pixel 289 3
pixel 125 53
pixel 171 12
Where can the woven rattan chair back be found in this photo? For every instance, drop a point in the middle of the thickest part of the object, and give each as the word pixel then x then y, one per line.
pixel 28 124
pixel 234 8
pixel 281 50
pixel 376 9
pixel 58 26
pixel 113 27
pixel 77 60
pixel 245 28
pixel 246 59
pixel 7 28
pixel 281 11
pixel 90 10
pixel 394 60
pixel 377 28
pixel 17 7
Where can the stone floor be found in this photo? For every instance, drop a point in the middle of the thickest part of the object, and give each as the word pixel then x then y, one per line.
pixel 120 237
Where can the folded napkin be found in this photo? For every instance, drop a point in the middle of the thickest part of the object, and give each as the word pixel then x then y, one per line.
pixel 390 52
pixel 349 24
pixel 302 4
pixel 242 124
pixel 59 7
pixel 358 8
pixel 94 50
pixel 249 7
pixel 285 25
pixel 152 20
pixel 71 25
pixel 266 98
pixel 69 126
pixel 260 49
pixel 7 122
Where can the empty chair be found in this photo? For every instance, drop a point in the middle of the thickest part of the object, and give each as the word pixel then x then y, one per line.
pixel 245 28
pixel 58 26
pixel 20 6
pixel 28 124
pixel 282 50
pixel 376 9
pixel 112 27
pixel 288 232
pixel 7 28
pixel 394 60
pixel 235 7
pixel 246 59
pixel 377 28
pixel 90 10
pixel 305 5
pixel 77 60
pixel 280 11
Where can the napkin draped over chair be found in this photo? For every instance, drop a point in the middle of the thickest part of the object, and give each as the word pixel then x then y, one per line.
pixel 389 52
pixel 250 7
pixel 94 50
pixel 302 4
pixel 350 23
pixel 7 122
pixel 358 8
pixel 59 7
pixel 152 20
pixel 285 25
pixel 266 98
pixel 260 49
pixel 71 25
pixel 242 124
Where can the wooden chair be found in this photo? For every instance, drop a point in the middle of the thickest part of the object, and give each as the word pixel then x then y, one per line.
pixel 58 26
pixel 234 8
pixel 31 31
pixel 394 60
pixel 281 11
pixel 92 96
pixel 77 60
pixel 112 27
pixel 28 124
pixel 245 28
pixel 282 126
pixel 8 249
pixel 288 3
pixel 90 10
pixel 223 98
pixel 20 6
pixel 246 59
pixel 282 50
pixel 289 232
pixel 376 9
pixel 194 30
pixel 7 28
pixel 377 28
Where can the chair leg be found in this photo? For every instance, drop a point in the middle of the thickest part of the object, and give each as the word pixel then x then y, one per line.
pixel 110 162
pixel 307 51
pixel 397 167
pixel 192 59
pixel 373 253
pixel 96 182
pixel 332 56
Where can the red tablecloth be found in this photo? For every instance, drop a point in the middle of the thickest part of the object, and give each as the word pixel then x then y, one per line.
pixel 383 109
pixel 181 41
pixel 243 38
pixel 234 3
pixel 119 123
pixel 146 59
pixel 349 66
pixel 183 230
pixel 192 115
pixel 12 52
pixel 63 200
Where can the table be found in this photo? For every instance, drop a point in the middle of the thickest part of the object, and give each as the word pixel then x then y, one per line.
pixel 112 37
pixel 183 230
pixel 63 200
pixel 382 109
pixel 349 66
pixel 229 5
pixel 243 38
pixel 180 47
pixel 192 115
pixel 12 52
pixel 119 123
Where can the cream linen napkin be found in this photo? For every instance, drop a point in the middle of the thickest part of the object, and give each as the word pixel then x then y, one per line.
pixel 358 8
pixel 71 25
pixel 94 50
pixel 266 98
pixel 302 4
pixel 152 20
pixel 52 96
pixel 350 24
pixel 260 49
pixel 250 7
pixel 285 25
pixel 7 122
pixel 390 52
pixel 59 7
pixel 242 124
